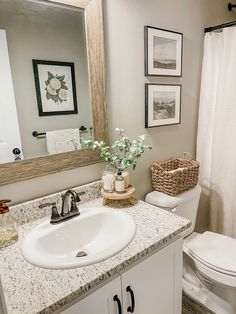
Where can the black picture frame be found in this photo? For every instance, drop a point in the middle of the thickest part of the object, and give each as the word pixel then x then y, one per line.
pixel 147 70
pixel 147 103
pixel 36 63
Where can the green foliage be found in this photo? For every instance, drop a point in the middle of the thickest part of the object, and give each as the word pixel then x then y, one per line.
pixel 123 153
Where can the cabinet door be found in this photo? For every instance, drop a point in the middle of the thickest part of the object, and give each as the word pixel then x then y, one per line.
pixel 156 283
pixel 99 302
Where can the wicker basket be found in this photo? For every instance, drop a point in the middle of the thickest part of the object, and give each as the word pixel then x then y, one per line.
pixel 175 175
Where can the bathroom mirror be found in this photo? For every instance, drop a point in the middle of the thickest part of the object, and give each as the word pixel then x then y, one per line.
pixel 52 95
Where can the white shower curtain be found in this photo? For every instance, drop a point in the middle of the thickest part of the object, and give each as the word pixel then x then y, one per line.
pixel 216 142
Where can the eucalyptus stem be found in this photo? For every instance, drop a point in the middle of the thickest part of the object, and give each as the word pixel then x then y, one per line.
pixel 123 153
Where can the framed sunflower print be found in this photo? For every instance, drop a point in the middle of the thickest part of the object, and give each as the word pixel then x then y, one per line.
pixel 55 87
pixel 163 52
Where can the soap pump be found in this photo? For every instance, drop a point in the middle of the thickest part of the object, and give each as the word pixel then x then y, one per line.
pixel 8 225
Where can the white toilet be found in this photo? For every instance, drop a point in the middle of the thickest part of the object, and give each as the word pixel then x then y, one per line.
pixel 209 272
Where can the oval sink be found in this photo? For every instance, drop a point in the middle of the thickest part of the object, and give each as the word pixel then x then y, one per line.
pixel 95 235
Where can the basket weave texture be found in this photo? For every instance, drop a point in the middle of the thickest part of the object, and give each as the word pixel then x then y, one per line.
pixel 175 175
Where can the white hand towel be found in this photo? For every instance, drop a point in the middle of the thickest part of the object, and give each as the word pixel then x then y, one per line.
pixel 59 141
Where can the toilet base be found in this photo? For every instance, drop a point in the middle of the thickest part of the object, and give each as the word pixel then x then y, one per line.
pixel 217 299
pixel 190 306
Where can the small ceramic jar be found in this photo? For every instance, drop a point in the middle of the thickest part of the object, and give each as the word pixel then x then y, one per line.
pixel 108 180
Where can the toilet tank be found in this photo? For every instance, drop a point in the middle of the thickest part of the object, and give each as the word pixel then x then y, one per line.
pixel 184 204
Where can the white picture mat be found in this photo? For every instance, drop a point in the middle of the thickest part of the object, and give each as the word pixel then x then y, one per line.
pixel 163 88
pixel 164 34
pixel 49 105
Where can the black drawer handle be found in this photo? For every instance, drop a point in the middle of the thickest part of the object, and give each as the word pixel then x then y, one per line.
pixel 132 307
pixel 116 299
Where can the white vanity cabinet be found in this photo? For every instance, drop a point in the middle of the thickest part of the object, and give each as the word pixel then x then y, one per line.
pixel 153 286
pixel 98 302
pixel 156 283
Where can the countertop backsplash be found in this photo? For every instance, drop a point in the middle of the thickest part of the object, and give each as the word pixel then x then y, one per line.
pixel 30 211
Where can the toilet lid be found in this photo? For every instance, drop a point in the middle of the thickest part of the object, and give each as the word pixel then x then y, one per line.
pixel 214 250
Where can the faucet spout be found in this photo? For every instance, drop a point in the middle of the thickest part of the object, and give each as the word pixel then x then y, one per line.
pixel 66 210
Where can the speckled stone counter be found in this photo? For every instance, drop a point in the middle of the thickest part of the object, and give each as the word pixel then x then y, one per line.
pixel 28 289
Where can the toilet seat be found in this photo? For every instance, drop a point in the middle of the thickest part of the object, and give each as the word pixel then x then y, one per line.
pixel 214 256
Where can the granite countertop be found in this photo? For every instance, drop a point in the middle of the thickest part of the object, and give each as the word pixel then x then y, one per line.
pixel 29 290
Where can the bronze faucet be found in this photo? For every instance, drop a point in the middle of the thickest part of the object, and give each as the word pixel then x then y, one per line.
pixel 68 210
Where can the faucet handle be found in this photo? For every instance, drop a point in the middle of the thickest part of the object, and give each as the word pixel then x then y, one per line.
pixel 55 217
pixel 46 205
pixel 75 198
pixel 81 193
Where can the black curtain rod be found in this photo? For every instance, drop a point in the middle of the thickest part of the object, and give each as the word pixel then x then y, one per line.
pixel 231 6
pixel 216 27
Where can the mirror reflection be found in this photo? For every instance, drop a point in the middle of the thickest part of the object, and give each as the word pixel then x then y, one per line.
pixel 44 92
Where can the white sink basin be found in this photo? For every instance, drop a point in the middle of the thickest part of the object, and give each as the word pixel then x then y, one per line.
pixel 98 232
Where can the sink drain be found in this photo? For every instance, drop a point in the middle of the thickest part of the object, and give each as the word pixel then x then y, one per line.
pixel 81 254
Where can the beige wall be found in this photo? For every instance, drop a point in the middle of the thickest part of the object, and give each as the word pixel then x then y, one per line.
pixel 44 33
pixel 124 22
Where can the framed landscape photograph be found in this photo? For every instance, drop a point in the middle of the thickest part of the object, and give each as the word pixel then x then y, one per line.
pixel 163 52
pixel 162 105
pixel 55 87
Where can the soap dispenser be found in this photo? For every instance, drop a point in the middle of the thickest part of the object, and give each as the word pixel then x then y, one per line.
pixel 8 225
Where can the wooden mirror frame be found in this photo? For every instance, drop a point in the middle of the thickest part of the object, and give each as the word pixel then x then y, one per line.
pixel 40 166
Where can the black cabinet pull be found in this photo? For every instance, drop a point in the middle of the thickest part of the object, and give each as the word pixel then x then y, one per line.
pixel 132 307
pixel 116 299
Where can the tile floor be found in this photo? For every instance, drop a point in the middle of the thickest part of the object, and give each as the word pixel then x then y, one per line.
pixel 192 307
